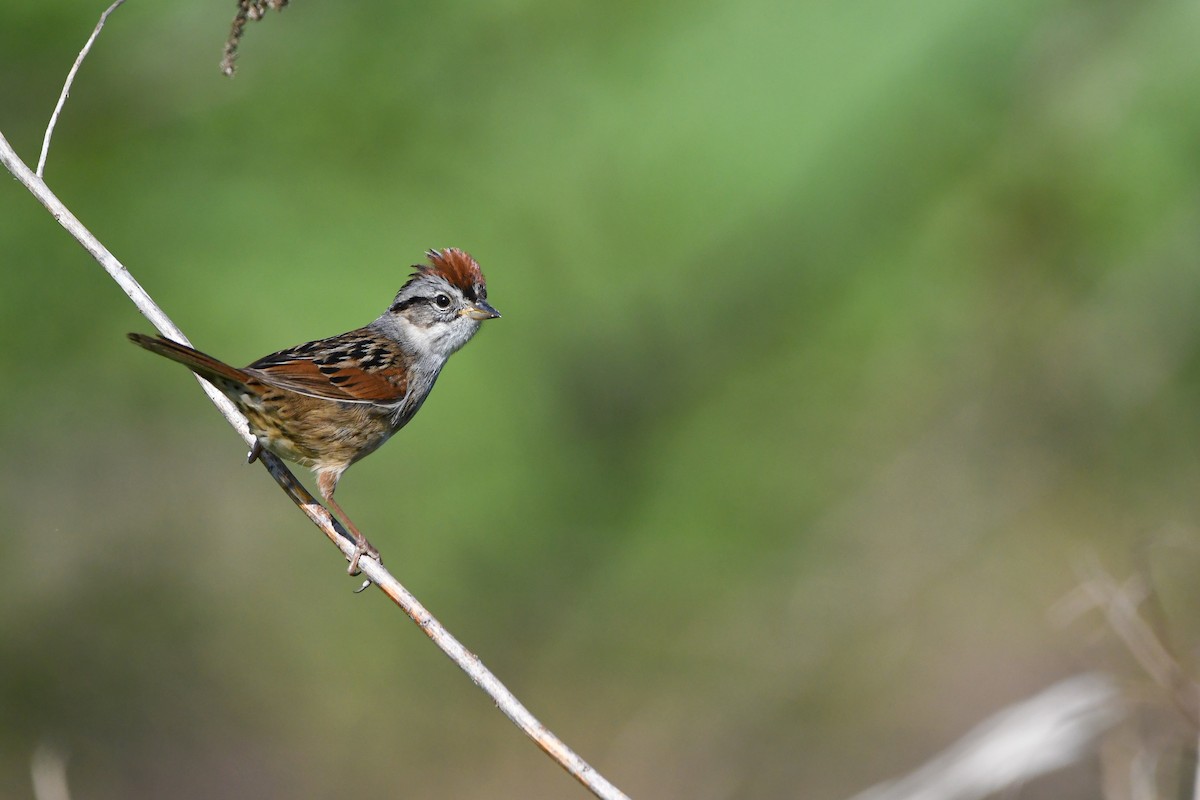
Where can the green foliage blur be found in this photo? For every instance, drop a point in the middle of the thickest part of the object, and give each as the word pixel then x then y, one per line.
pixel 834 336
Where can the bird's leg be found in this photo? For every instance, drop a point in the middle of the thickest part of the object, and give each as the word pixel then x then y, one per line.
pixel 255 452
pixel 326 483
pixel 361 546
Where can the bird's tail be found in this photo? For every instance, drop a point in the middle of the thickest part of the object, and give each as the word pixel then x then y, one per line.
pixel 202 364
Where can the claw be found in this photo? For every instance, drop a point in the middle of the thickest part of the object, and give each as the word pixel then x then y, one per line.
pixel 255 452
pixel 362 548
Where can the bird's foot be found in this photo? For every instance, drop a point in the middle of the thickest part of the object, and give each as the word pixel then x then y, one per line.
pixel 362 548
pixel 255 452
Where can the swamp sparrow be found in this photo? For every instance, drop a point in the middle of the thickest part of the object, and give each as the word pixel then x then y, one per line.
pixel 328 403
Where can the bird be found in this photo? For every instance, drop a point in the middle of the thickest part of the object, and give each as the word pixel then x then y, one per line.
pixel 328 403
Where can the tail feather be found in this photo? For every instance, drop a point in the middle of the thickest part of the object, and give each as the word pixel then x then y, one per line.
pixel 202 364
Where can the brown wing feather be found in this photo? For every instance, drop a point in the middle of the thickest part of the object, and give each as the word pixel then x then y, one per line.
pixel 356 367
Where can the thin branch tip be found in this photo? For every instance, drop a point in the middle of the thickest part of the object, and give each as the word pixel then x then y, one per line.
pixel 66 90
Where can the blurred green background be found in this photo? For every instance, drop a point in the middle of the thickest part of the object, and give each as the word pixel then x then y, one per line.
pixel 834 336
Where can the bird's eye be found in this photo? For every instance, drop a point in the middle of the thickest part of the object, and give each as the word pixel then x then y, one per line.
pixel 442 301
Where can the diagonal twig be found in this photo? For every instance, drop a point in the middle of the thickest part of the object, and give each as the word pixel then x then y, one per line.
pixel 505 700
pixel 66 90
pixel 467 661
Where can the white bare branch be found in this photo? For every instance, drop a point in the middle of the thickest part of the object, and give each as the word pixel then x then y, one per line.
pixel 380 576
pixel 467 661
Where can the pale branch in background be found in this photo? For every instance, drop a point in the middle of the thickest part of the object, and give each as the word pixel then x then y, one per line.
pixel 48 771
pixel 248 11
pixel 1044 733
pixel 505 700
pixel 1057 727
pixel 66 90
pixel 1196 773
pixel 1133 612
pixel 1119 603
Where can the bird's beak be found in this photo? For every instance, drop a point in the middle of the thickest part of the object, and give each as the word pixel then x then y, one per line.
pixel 480 310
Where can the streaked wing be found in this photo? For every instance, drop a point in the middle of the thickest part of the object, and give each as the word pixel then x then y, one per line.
pixel 355 367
